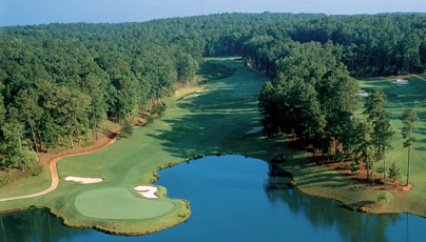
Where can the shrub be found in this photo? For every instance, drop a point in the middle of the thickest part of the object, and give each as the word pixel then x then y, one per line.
pixel 158 109
pixel 385 197
pixel 126 129
pixel 150 120
pixel 353 167
pixel 380 170
pixel 339 157
pixel 279 158
pixel 394 172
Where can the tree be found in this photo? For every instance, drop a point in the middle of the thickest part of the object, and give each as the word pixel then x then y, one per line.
pixel 268 108
pixel 363 145
pixel 394 172
pixel 408 118
pixel 382 131
pixel 93 87
pixel 374 104
pixel 30 111
pixel 381 137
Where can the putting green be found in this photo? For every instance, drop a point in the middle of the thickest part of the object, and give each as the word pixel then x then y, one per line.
pixel 119 204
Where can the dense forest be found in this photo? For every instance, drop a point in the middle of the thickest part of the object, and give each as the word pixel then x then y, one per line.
pixel 60 82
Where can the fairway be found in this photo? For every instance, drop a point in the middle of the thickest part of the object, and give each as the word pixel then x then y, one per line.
pixel 221 118
pixel 218 119
pixel 119 204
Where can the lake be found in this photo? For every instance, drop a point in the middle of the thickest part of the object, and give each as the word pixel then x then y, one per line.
pixel 234 198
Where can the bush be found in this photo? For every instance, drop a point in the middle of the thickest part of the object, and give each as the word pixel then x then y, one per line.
pixel 3 180
pixel 150 120
pixel 353 167
pixel 380 170
pixel 394 172
pixel 385 197
pixel 158 109
pixel 279 158
pixel 126 129
pixel 339 157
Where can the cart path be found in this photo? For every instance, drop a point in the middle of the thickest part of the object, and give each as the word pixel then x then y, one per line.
pixel 419 77
pixel 54 169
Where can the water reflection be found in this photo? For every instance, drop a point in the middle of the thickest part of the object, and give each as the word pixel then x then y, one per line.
pixel 324 213
pixel 34 225
pixel 234 199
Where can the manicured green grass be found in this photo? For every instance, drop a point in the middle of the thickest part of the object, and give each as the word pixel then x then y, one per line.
pixel 217 122
pixel 321 181
pixel 119 204
pixel 401 97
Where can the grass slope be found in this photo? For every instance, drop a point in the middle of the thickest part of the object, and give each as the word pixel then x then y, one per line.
pixel 216 121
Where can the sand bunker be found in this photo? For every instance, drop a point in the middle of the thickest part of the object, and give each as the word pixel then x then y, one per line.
pixel 255 130
pixel 197 94
pixel 363 93
pixel 147 191
pixel 400 82
pixel 82 180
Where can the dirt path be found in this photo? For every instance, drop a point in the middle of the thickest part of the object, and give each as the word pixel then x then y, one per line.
pixel 419 77
pixel 53 160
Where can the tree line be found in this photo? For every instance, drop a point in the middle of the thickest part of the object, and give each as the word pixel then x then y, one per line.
pixel 59 82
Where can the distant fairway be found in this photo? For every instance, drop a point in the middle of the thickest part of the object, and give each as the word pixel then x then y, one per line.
pixel 119 204
pixel 401 97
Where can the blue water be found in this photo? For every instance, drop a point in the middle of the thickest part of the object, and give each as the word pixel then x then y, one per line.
pixel 234 199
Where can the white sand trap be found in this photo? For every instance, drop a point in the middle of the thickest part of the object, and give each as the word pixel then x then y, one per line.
pixel 363 93
pixel 255 130
pixel 400 82
pixel 147 191
pixel 82 180
pixel 192 95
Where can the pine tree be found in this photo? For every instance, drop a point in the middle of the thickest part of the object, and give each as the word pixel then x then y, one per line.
pixel 408 118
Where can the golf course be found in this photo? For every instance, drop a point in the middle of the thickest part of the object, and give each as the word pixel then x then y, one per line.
pixel 215 117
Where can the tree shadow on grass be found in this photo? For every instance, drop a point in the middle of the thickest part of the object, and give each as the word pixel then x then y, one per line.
pixel 219 120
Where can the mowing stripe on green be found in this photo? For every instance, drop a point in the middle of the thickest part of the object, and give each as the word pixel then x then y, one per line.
pixel 119 204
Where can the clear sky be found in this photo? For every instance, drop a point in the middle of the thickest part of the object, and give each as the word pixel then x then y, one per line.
pixel 23 12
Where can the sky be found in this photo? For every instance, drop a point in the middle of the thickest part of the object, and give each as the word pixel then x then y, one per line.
pixel 28 12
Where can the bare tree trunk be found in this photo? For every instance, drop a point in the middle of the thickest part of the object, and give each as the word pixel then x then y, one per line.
pixel 41 141
pixel 408 168
pixel 95 124
pixel 384 166
pixel 77 127
pixel 368 171
pixel 34 140
pixel 71 140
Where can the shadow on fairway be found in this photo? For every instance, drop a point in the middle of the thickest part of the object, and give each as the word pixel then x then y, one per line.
pixel 220 119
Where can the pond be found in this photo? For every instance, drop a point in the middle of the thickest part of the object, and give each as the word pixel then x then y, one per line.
pixel 234 198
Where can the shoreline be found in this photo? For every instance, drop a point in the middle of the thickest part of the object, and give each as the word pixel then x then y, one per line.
pixel 302 175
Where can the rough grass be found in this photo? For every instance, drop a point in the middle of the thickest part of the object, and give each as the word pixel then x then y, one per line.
pixel 27 185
